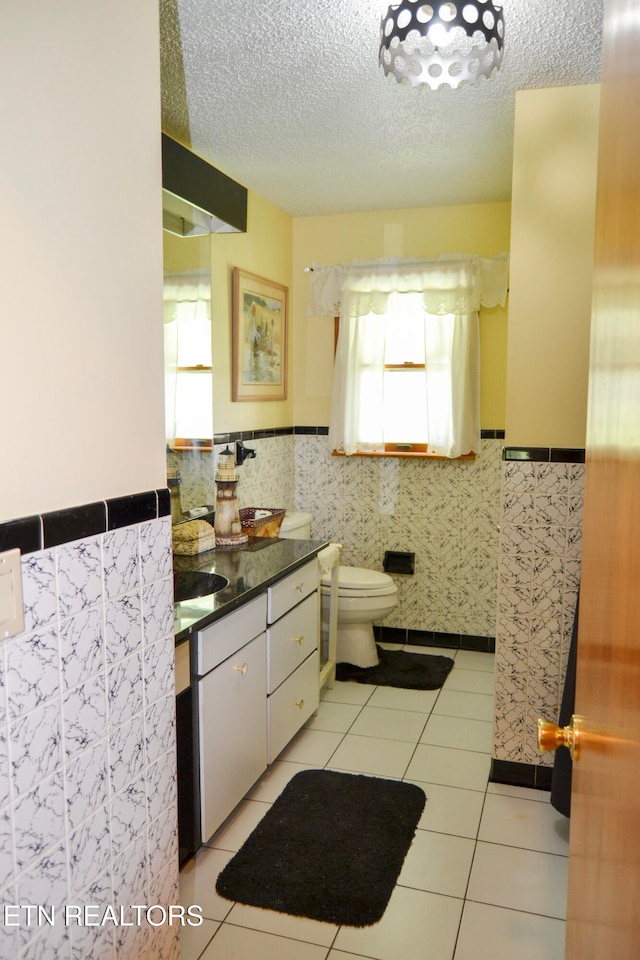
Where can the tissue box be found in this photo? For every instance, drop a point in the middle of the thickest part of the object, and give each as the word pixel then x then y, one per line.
pixel 261 521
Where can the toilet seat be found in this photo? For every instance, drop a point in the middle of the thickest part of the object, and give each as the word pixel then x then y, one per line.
pixel 360 582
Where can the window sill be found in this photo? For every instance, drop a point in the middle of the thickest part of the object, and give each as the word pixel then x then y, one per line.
pixel 192 443
pixel 406 454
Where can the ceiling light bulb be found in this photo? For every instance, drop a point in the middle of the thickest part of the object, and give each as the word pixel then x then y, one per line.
pixel 438 35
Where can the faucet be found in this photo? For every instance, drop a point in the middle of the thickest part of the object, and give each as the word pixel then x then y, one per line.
pixel 243 453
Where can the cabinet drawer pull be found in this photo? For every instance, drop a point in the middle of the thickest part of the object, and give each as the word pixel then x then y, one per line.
pixel 241 668
pixel 299 704
pixel 299 640
pixel 300 587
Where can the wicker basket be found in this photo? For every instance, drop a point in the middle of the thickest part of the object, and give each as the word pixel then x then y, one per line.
pixel 267 526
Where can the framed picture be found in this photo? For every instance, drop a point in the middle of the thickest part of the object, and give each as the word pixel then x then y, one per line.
pixel 258 338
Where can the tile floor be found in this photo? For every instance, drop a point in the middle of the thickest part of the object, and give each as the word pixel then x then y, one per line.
pixel 485 877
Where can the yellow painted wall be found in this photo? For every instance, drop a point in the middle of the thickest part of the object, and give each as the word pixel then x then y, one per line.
pixel 552 238
pixel 430 231
pixel 266 250
pixel 80 180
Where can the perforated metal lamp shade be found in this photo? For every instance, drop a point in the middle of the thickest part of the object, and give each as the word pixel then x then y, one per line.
pixel 441 45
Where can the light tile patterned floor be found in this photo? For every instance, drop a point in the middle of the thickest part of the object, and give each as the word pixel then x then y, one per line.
pixel 485 878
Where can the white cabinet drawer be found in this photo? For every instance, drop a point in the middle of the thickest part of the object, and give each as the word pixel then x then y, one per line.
pixel 292 589
pixel 225 636
pixel 292 704
pixel 291 640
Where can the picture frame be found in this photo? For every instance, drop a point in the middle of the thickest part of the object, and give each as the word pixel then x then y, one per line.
pixel 259 338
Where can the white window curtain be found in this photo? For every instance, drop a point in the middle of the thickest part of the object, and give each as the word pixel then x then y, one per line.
pixel 447 293
pixel 187 343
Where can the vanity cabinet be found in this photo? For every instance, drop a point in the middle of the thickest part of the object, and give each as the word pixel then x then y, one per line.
pixel 256 674
pixel 232 663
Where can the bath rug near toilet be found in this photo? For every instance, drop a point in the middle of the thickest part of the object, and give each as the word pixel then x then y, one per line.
pixel 397 668
pixel 330 848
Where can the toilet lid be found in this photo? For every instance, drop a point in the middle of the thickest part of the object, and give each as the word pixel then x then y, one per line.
pixel 362 581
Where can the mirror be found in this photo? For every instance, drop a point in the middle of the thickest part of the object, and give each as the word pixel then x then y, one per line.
pixel 188 372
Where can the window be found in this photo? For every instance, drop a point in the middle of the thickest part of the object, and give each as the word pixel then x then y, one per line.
pixel 407 366
pixel 188 363
pixel 415 396
pixel 407 370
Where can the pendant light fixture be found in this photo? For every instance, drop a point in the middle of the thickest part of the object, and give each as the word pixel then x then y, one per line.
pixel 441 45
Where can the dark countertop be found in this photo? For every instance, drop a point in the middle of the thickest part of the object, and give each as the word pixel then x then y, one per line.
pixel 250 569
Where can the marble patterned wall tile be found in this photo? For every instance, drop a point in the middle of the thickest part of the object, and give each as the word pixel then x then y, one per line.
pixel 123 626
pixel 156 557
pixel 447 513
pixel 5 794
pixel 81 647
pixel 38 820
pixel 126 752
pixel 266 480
pixel 99 891
pixel 157 610
pixel 32 670
pixel 79 771
pixel 79 568
pixel 35 742
pixel 6 855
pixel 125 690
pixel 84 715
pixel 45 883
pixel 197 468
pixel 128 815
pixel 121 557
pixel 94 942
pixel 161 785
pixel 87 784
pixel 539 573
pixel 39 589
pixel 160 727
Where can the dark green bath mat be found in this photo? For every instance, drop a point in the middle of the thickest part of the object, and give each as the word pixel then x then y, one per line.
pixel 330 848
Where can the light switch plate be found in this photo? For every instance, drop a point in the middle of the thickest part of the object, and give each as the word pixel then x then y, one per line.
pixel 11 606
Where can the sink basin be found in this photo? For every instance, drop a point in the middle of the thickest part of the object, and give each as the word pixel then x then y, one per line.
pixel 188 584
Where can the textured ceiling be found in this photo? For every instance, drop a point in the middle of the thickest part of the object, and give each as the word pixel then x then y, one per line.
pixel 288 98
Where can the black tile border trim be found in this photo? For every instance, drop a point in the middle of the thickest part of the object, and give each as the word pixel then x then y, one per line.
pixel 515 774
pixel 74 523
pixel 432 638
pixel 307 431
pixel 24 534
pixel 545 454
pixel 231 437
pixel 124 511
pixel 30 534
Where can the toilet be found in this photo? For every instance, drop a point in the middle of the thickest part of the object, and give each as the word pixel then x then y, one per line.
pixel 364 596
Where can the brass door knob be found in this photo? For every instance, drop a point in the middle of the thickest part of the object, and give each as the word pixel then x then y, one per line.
pixel 551 736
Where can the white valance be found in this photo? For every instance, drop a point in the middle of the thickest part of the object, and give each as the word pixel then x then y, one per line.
pixel 450 284
pixel 183 288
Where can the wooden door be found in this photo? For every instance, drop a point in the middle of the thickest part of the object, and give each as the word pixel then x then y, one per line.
pixel 604 867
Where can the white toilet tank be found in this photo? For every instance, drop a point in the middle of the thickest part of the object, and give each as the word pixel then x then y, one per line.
pixel 296 525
